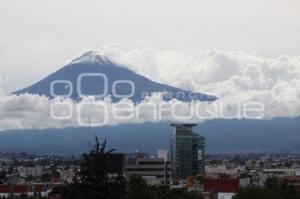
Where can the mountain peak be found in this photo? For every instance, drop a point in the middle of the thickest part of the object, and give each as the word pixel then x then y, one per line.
pixel 90 56
pixel 92 62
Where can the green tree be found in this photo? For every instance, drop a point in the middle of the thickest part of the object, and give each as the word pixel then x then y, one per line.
pixel 93 181
pixel 273 189
pixel 138 189
pixel 287 191
pixel 272 184
pixel 2 177
pixel 256 193
pixel 164 192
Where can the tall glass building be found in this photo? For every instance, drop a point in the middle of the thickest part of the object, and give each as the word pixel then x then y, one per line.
pixel 187 151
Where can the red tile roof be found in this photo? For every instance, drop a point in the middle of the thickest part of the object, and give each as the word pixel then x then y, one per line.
pixel 221 185
pixel 21 188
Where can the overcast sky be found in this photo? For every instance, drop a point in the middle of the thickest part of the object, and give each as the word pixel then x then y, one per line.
pixel 37 37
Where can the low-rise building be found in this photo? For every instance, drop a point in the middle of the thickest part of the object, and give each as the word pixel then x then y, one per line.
pixel 37 190
pixel 152 169
pixel 35 171
pixel 66 175
pixel 220 188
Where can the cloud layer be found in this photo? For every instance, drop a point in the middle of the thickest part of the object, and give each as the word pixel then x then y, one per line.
pixel 236 78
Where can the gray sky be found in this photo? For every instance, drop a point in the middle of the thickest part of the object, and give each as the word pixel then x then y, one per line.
pixel 37 37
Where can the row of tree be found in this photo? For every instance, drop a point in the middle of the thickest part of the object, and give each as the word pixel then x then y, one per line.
pixel 273 189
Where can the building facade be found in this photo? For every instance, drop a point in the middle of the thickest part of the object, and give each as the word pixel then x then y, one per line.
pixel 153 170
pixel 117 163
pixel 35 171
pixel 187 151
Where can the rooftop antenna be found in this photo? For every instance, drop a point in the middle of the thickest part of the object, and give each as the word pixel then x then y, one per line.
pixel 90 131
pixel 89 123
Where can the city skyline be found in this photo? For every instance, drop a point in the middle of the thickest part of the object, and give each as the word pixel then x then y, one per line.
pixel 172 99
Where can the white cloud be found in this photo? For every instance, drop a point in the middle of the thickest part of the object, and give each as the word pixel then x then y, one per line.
pixel 29 111
pixel 236 78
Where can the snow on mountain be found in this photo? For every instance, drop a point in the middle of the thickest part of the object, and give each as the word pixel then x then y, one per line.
pixel 90 56
pixel 94 74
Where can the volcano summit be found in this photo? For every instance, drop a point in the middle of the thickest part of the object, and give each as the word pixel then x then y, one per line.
pixel 92 74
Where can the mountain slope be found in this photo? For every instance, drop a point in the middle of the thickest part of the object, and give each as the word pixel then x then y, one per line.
pixel 93 63
pixel 222 136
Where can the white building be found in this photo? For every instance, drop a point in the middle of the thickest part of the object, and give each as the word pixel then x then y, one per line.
pixel 162 153
pixel 221 169
pixel 66 176
pixel 35 171
pixel 154 170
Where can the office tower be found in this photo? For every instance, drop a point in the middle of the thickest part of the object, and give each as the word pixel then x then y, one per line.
pixel 187 151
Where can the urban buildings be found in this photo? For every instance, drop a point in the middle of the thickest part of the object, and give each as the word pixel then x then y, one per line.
pixel 224 173
pixel 187 151
pixel 155 170
pixel 187 158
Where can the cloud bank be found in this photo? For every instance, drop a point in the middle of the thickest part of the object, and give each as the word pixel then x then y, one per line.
pixel 236 78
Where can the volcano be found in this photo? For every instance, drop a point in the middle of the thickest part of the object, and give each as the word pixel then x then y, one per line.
pixel 92 74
